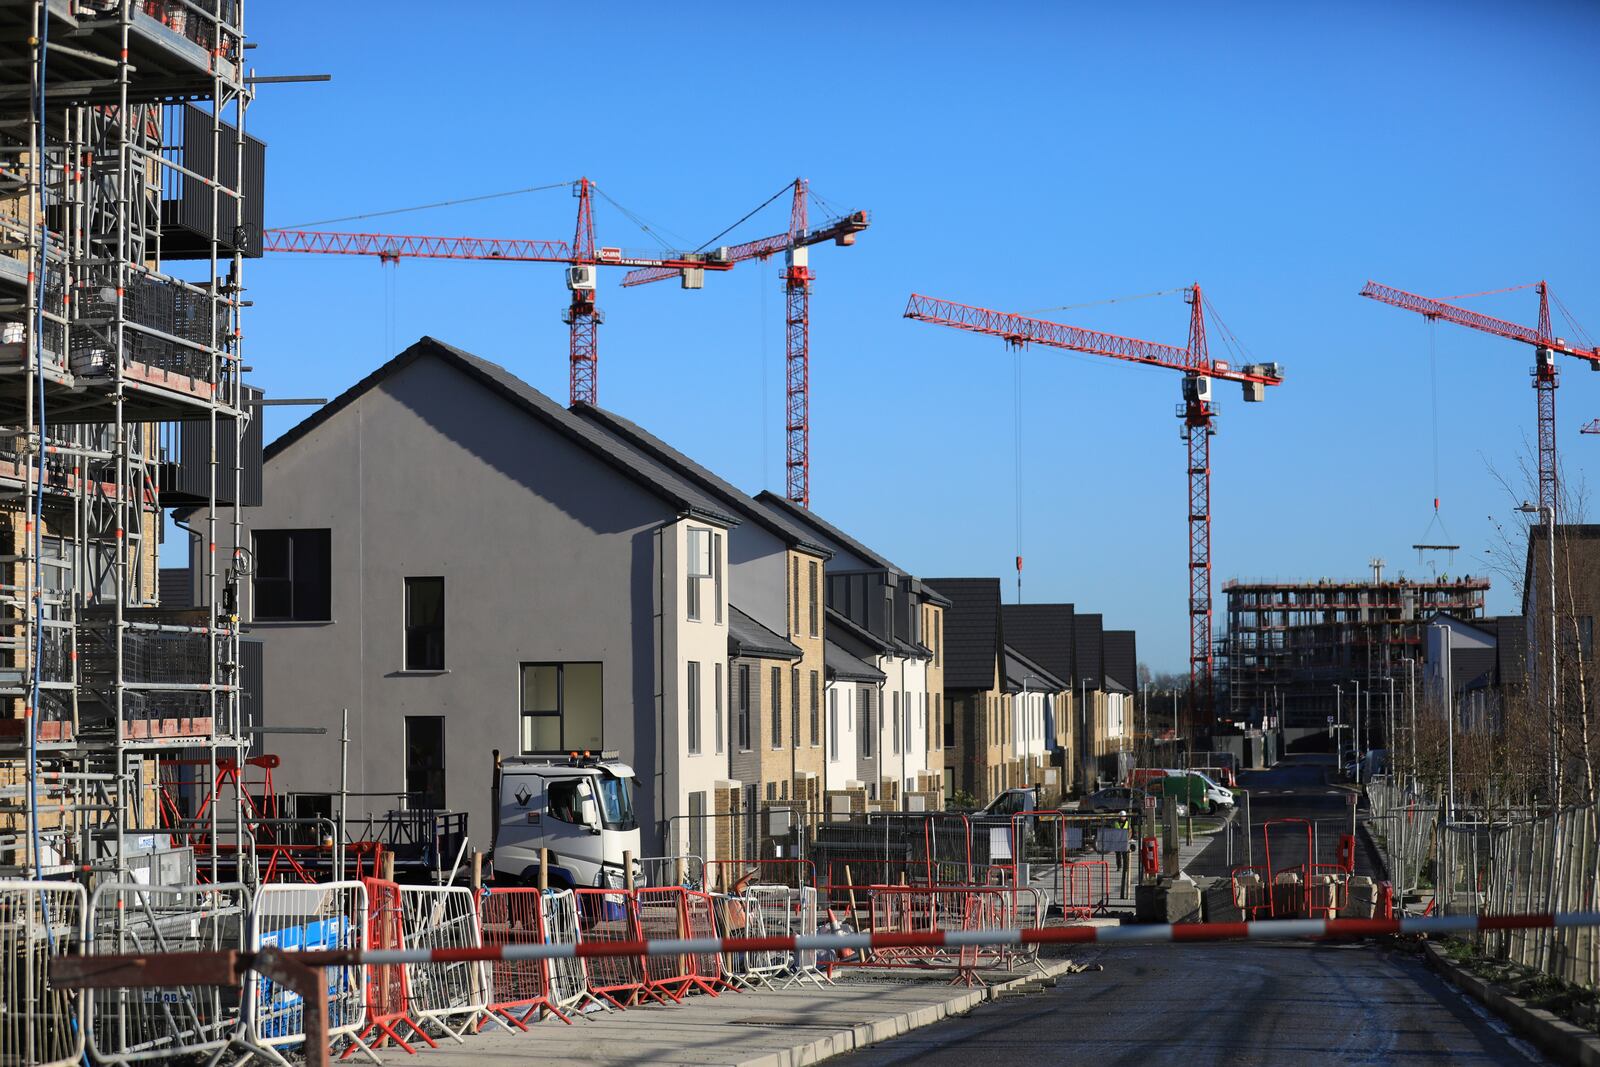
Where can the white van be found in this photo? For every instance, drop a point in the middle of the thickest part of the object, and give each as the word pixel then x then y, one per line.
pixel 579 807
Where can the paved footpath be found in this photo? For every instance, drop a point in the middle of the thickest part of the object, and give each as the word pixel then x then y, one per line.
pixel 769 1028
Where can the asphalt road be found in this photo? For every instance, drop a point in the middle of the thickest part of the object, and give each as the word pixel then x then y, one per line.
pixel 1229 1003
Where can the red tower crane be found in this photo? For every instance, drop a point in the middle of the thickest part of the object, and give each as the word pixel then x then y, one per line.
pixel 1544 372
pixel 581 256
pixel 797 278
pixel 1592 426
pixel 1198 412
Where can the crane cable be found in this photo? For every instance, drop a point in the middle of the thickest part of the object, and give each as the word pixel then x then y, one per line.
pixel 426 207
pixel 1016 468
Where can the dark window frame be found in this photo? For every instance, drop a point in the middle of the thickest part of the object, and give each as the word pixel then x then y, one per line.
pixel 304 588
pixel 419 653
pixel 560 712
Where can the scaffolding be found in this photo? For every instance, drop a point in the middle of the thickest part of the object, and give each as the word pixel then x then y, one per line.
pixel 1289 643
pixel 129 199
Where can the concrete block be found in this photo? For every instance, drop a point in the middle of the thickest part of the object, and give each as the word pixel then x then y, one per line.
pixel 1216 900
pixel 1361 899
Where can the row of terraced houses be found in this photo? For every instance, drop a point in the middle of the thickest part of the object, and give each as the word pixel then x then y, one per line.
pixel 467 567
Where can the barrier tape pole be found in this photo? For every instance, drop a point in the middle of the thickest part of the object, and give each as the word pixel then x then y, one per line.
pixel 1316 929
pixel 76 971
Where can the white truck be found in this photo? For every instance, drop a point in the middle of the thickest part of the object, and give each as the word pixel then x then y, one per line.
pixel 578 807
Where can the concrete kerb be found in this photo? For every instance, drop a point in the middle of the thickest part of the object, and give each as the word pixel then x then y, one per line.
pixel 769 1028
pixel 1553 1036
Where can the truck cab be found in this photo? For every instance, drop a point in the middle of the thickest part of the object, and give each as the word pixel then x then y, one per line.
pixel 578 807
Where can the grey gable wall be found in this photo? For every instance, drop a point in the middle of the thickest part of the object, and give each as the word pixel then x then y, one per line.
pixel 548 554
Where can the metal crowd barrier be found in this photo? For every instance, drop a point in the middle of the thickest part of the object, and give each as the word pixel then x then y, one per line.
pixel 288 917
pixel 39 1021
pixel 126 1026
pixel 452 997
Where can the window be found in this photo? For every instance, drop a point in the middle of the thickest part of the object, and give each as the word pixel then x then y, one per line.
pixel 833 726
pixel 424 624
pixel 949 711
pixel 895 739
pixel 424 736
pixel 564 801
pixel 927 738
pixel 796 599
pixel 744 707
pixel 777 707
pixel 938 639
pixel 816 709
pixel 717 711
pixel 716 580
pixel 561 707
pixel 772 791
pixel 811 604
pixel 697 824
pixel 866 724
pixel 693 695
pixel 293 572
pixel 794 705
pixel 699 567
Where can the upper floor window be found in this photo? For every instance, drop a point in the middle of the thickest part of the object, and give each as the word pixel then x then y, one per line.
pixel 561 707
pixel 813 597
pixel 693 700
pixel 795 582
pixel 697 570
pixel 424 624
pixel 777 707
pixel 293 576
pixel 744 707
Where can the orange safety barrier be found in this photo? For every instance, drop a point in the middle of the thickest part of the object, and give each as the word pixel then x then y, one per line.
pixel 608 915
pixel 663 915
pixel 518 989
pixel 1078 898
pixel 700 913
pixel 388 1010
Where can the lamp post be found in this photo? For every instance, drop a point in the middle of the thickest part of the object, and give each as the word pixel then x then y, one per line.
pixel 1548 515
pixel 1147 745
pixel 1355 729
pixel 1338 735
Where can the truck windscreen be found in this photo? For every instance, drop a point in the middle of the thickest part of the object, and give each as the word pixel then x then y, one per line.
pixel 616 804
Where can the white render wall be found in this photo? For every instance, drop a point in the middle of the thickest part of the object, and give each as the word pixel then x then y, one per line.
pixel 703 641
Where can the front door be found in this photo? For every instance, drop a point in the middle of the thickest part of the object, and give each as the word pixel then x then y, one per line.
pixel 425 761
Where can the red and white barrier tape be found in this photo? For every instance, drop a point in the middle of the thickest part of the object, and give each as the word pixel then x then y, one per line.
pixel 1316 929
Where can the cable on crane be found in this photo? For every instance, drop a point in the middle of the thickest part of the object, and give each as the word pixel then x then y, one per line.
pixel 1429 542
pixel 1109 300
pixel 652 231
pixel 1016 467
pixel 702 246
pixel 426 207
pixel 1577 329
pixel 1490 292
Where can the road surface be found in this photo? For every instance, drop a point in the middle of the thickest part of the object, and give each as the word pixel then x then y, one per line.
pixel 1228 1003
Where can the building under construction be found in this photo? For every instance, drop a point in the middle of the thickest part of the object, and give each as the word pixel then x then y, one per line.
pixel 1288 644
pixel 130 201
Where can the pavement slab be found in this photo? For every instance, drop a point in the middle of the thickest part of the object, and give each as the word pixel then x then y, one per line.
pixel 766 1028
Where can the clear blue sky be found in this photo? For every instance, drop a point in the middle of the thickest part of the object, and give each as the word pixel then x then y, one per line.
pixel 1018 156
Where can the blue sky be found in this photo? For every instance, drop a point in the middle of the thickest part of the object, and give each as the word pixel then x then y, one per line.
pixel 1017 156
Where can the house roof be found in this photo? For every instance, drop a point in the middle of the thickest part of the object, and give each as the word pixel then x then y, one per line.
pixel 1578 541
pixel 1088 649
pixel 1121 657
pixel 1485 627
pixel 1020 669
pixel 637 438
pixel 830 534
pixel 843 625
pixel 927 592
pixel 843 666
pixel 746 637
pixel 972 634
pixel 1043 633
pixel 654 477
pixel 1114 686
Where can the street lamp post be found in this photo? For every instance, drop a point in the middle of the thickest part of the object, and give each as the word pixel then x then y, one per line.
pixel 1338 728
pixel 1355 729
pixel 1548 516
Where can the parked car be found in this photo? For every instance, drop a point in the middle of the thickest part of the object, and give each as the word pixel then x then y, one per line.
pixel 1120 799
